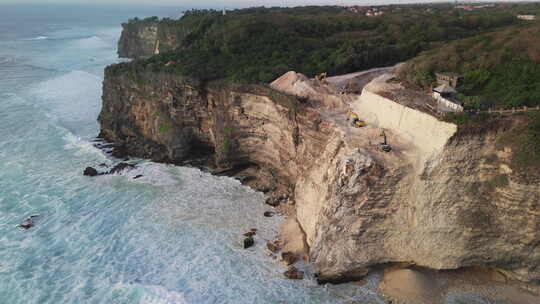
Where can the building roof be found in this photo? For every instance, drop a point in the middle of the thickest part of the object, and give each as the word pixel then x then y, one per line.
pixel 444 89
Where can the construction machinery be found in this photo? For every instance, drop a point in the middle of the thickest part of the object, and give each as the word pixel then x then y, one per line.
pixel 355 120
pixel 322 78
pixel 385 147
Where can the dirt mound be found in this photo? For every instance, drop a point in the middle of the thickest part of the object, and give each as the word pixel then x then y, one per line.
pixel 316 92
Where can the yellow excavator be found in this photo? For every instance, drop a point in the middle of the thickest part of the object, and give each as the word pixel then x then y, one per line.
pixel 322 78
pixel 355 120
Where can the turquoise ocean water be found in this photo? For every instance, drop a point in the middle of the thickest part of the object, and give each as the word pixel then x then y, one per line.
pixel 173 236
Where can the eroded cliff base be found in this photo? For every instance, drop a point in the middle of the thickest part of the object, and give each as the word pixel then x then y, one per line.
pixel 444 198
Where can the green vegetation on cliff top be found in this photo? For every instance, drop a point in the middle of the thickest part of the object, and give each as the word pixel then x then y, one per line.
pixel 499 69
pixel 259 44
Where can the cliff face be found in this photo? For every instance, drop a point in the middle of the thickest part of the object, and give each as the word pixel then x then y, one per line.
pixel 466 208
pixel 450 202
pixel 145 39
pixel 173 119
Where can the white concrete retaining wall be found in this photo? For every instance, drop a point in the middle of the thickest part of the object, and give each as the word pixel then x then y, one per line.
pixel 422 130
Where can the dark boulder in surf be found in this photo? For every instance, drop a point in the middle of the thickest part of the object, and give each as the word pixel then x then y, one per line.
pixel 269 213
pixel 273 247
pixel 89 171
pixel 28 223
pixel 288 258
pixel 250 233
pixel 293 273
pixel 248 242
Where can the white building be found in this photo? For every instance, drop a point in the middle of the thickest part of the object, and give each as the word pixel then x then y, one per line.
pixel 445 103
pixel 526 17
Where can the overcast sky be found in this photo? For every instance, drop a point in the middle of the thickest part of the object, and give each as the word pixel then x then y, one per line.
pixel 218 3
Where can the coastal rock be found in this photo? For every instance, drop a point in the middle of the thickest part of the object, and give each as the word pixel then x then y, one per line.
pixel 272 247
pixel 89 171
pixel 121 167
pixel 273 201
pixel 249 242
pixel 120 152
pixel 138 176
pixel 28 223
pixel 444 198
pixel 269 214
pixel 293 273
pixel 288 258
pixel 250 233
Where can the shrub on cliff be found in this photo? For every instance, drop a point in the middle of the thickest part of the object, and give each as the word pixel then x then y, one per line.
pixel 500 68
pixel 528 152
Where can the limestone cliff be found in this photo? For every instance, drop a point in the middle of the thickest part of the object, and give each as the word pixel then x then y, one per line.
pixel 444 198
pixel 143 39
pixel 251 130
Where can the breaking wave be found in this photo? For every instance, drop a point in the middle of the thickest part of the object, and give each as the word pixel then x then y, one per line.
pixel 161 295
pixel 93 42
pixel 6 60
pixel 73 99
pixel 38 38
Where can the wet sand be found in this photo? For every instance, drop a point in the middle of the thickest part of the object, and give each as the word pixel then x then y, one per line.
pixel 423 286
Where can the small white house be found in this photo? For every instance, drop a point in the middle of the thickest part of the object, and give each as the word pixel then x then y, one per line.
pixel 445 101
pixel 526 17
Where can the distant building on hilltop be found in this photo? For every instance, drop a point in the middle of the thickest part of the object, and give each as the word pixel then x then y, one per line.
pixel 466 7
pixel 448 78
pixel 374 12
pixel 526 17
pixel 470 7
pixel 364 10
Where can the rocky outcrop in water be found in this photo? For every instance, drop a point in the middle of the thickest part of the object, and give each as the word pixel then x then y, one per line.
pixel 89 171
pixel 29 222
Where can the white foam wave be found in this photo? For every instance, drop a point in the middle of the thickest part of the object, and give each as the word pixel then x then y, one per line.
pixel 93 42
pixel 38 38
pixel 6 59
pixel 161 295
pixel 74 98
pixel 111 35
pixel 83 146
pixel 152 174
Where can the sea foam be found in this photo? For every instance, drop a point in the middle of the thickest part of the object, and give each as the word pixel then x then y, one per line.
pixel 93 42
pixel 37 38
pixel 73 99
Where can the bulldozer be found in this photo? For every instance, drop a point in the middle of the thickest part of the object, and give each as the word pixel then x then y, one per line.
pixel 355 120
pixel 385 147
pixel 322 78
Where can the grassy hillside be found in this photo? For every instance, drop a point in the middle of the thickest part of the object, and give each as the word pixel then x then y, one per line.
pixel 500 69
pixel 259 44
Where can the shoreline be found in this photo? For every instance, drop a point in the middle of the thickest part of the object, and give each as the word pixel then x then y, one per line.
pixel 399 282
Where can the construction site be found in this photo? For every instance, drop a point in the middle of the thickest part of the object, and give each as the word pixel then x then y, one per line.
pixel 374 112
